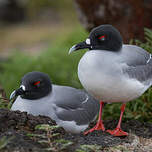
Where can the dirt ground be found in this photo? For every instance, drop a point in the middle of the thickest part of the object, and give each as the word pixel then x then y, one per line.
pixel 20 134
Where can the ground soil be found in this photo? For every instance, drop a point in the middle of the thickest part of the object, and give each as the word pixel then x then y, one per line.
pixel 17 126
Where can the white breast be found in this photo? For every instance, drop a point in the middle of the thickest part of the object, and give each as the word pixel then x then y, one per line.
pixel 35 107
pixel 101 75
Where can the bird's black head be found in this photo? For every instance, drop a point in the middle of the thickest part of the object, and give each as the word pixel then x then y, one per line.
pixel 34 85
pixel 103 37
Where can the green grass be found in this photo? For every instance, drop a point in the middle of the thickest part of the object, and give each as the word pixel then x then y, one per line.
pixel 62 68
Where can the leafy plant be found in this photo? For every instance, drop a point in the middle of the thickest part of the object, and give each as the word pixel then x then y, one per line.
pixel 48 138
pixel 49 133
pixel 64 144
pixel 4 141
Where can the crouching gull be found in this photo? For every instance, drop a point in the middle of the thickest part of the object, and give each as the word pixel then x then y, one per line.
pixel 71 108
pixel 112 71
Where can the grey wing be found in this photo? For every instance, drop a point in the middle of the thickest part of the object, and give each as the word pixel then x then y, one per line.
pixel 83 110
pixel 142 73
pixel 134 55
pixel 139 65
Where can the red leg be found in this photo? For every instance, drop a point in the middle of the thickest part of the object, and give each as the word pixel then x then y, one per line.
pixel 118 131
pixel 99 125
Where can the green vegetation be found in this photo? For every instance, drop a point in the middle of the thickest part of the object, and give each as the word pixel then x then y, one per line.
pixel 50 138
pixel 4 141
pixel 47 137
pixel 62 68
pixel 148 44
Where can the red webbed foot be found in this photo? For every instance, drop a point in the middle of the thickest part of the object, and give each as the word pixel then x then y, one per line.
pixel 98 126
pixel 117 132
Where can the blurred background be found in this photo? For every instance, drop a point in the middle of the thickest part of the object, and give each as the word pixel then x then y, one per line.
pixel 37 34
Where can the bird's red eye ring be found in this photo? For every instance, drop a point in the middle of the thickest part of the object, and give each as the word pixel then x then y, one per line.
pixel 36 83
pixel 102 37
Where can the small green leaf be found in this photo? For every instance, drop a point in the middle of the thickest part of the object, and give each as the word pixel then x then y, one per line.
pixel 36 135
pixel 4 141
pixel 64 143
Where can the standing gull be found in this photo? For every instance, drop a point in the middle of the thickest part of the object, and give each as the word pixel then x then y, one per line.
pixel 71 108
pixel 112 71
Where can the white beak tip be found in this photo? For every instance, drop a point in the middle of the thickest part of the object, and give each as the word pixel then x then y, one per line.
pixel 72 49
pixel 12 95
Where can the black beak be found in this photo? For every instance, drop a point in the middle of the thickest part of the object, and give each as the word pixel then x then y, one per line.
pixel 81 45
pixel 16 93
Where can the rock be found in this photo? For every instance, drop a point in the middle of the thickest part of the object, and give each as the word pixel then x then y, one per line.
pixel 17 119
pixel 15 125
pixel 129 17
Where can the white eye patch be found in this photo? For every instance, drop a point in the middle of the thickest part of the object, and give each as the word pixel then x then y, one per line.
pixel 23 87
pixel 88 41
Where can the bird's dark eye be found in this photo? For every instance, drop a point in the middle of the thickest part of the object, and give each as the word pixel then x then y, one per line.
pixel 102 37
pixel 36 83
